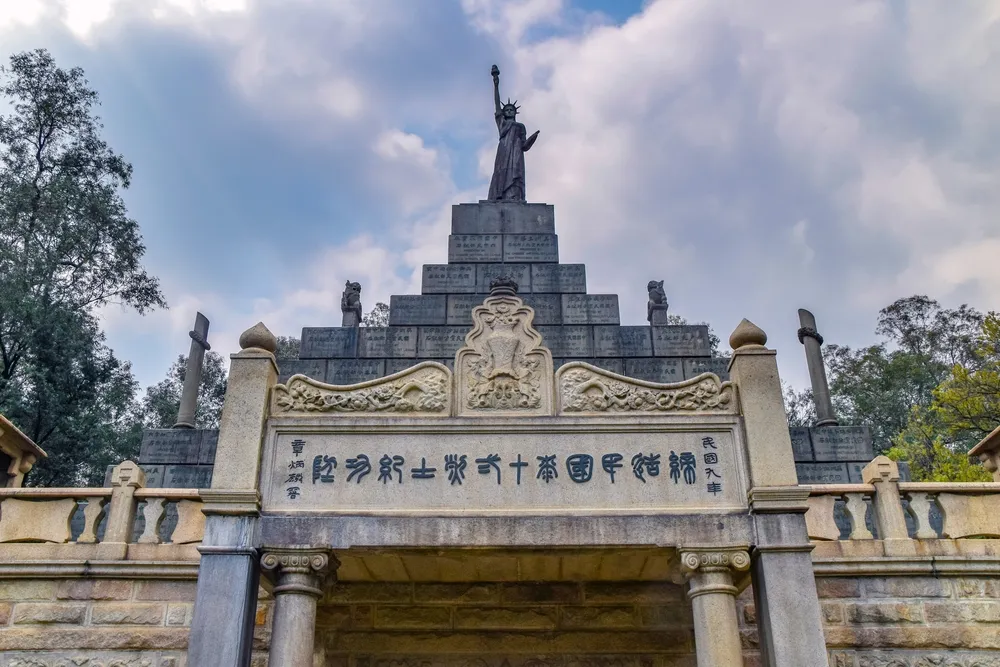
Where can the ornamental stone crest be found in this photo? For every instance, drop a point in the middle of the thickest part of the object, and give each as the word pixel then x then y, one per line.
pixel 503 368
pixel 583 389
pixel 424 389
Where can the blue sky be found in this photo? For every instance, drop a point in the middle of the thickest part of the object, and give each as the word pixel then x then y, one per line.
pixel 759 157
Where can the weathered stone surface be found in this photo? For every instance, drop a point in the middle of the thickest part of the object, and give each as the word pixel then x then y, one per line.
pixel 507 618
pixel 607 363
pixel 94 589
pixel 166 591
pixel 521 273
pixel 568 342
pixel 681 341
pixel 590 309
pixel 448 279
pixel 822 473
pixel 530 248
pixel 352 371
pixel 502 218
pixel 547 307
pixel 655 370
pixel 167 445
pixel 27 589
pixel 801 443
pixel 127 613
pixel 428 617
pixel 393 366
pixel 619 341
pixel 696 366
pixel 187 477
pixel 599 617
pixel 436 342
pixel 326 342
pixel 842 443
pixel 154 475
pixel 47 612
pixel 475 248
pixel 462 593
pixel 559 278
pixel 382 342
pixel 41 521
pixel 313 368
pixel 417 309
pixel 884 612
pixel 460 308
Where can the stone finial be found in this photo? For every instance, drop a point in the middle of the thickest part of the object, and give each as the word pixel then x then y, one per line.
pixel 747 334
pixel 503 286
pixel 881 469
pixel 128 473
pixel 258 337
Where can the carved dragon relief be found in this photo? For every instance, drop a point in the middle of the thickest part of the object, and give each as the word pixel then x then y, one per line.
pixel 583 388
pixel 503 367
pixel 422 389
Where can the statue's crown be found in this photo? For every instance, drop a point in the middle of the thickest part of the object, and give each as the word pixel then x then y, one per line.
pixel 503 286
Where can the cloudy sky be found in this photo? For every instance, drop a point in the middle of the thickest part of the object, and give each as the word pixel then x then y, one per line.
pixel 759 156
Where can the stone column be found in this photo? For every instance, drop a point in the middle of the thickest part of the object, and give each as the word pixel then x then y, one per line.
pixel 192 376
pixel 709 572
pixel 298 576
pixel 125 479
pixel 812 341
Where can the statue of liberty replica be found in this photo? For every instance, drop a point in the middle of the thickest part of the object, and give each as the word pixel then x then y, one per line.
pixel 508 170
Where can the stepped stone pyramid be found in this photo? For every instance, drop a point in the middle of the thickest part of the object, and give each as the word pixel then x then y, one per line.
pixel 518 240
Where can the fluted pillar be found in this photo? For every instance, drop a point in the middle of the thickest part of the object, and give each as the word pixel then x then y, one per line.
pixel 709 573
pixel 298 576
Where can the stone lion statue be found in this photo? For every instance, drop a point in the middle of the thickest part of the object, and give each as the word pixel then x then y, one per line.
pixel 350 302
pixel 657 297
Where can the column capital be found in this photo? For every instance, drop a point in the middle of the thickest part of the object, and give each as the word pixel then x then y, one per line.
pixel 299 570
pixel 713 559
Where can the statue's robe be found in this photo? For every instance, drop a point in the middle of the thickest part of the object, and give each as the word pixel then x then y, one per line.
pixel 508 170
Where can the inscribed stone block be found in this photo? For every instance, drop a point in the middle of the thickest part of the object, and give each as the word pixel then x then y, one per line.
pixel 475 248
pixel 559 278
pixel 154 476
pixel 801 443
pixel 460 308
pixel 696 366
pixel 327 342
pixel 655 370
pixel 822 473
pixel 502 218
pixel 530 248
pixel 417 309
pixel 209 441
pixel 547 307
pixel 681 341
pixel 448 279
pixel 854 469
pixel 314 368
pixel 618 341
pixel 383 342
pixel 568 342
pixel 842 443
pixel 170 445
pixel 613 365
pixel 397 365
pixel 521 273
pixel 440 341
pixel 187 477
pixel 352 371
pixel 590 309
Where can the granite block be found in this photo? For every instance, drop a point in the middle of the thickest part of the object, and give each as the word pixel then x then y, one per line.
pixel 801 443
pixel 154 476
pixel 329 342
pixel 664 371
pixel 530 248
pixel 698 365
pixel 313 368
pixel 613 365
pixel 503 218
pixel 822 473
pixel 396 365
pixel 187 477
pixel 440 341
pixel 568 342
pixel 521 273
pixel 842 443
pixel 854 469
pixel 547 307
pixel 209 442
pixel 353 371
pixel 383 342
pixel 475 248
pixel 681 341
pixel 170 445
pixel 409 309
pixel 619 341
pixel 448 279
pixel 460 308
pixel 559 278
pixel 590 309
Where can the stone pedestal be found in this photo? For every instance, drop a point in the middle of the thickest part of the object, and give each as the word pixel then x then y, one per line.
pixel 298 576
pixel 713 603
pixel 658 315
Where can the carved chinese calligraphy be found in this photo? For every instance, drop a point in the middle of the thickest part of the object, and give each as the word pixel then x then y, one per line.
pixel 583 388
pixel 423 389
pixel 503 367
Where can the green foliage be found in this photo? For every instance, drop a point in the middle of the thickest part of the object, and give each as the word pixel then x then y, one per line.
pixel 288 348
pixel 67 247
pixel 931 457
pixel 378 317
pixel 162 401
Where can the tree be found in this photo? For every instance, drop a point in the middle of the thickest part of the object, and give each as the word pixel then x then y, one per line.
pixel 67 247
pixel 288 347
pixel 378 317
pixel 162 401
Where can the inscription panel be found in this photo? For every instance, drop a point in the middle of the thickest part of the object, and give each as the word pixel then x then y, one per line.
pixel 448 279
pixel 547 307
pixel 326 342
pixel 822 473
pixel 521 273
pixel 167 445
pixel 801 443
pixel 590 308
pixel 382 342
pixel 655 370
pixel 475 248
pixel 352 371
pixel 417 309
pixel 313 368
pixel 502 218
pixel 842 443
pixel 437 342
pixel 187 477
pixel 717 365
pixel 492 471
pixel 568 342
pixel 460 308
pixel 530 248
pixel 618 341
pixel 681 341
pixel 559 278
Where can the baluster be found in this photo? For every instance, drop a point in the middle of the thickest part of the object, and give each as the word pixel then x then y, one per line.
pixel 91 517
pixel 920 508
pixel 857 510
pixel 153 513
